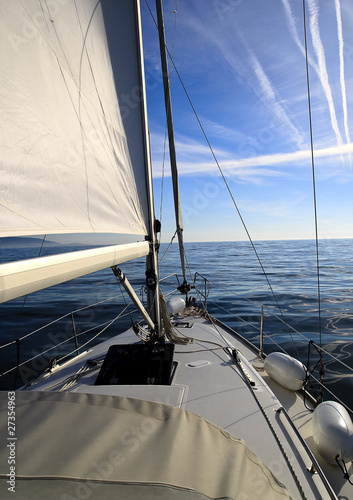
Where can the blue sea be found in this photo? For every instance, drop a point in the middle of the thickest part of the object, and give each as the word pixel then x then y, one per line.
pixel 236 290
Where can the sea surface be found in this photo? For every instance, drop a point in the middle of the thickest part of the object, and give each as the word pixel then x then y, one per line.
pixel 236 290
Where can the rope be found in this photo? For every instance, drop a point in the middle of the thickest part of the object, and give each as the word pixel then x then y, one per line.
pixel 263 411
pixel 170 331
pixel 343 468
pixel 333 395
pixel 309 374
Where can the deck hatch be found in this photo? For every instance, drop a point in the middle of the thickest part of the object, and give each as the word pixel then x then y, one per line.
pixel 142 364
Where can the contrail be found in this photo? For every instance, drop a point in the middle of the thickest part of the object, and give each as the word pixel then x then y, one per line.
pixel 343 83
pixel 319 68
pixel 319 50
pixel 261 84
pixel 293 29
pixel 267 93
pixel 270 96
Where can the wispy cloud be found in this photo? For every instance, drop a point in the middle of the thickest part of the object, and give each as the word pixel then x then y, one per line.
pixel 320 68
pixel 320 54
pixel 215 129
pixel 269 95
pixel 262 86
pixel 251 73
pixel 341 57
pixel 296 156
pixel 295 35
pixel 245 167
pixel 185 146
pixel 276 208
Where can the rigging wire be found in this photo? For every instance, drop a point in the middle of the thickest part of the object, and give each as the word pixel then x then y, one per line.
pixel 165 129
pixel 318 348
pixel 313 169
pixel 104 326
pixel 231 195
pixel 228 188
pixel 170 243
pixel 20 316
pixel 314 184
pixel 223 177
pixel 59 319
pixel 25 297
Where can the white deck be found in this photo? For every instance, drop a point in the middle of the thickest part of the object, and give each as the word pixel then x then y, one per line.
pixel 209 383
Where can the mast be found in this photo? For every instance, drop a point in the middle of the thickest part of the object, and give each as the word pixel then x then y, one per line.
pixel 152 271
pixel 185 287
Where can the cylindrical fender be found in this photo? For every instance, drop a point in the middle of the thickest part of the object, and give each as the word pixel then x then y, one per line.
pixel 285 370
pixel 175 305
pixel 333 432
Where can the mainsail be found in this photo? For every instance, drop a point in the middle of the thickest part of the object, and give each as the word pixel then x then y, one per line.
pixel 72 138
pixel 74 151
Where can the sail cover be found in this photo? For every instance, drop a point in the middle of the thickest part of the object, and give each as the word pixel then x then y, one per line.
pixel 73 134
pixel 73 446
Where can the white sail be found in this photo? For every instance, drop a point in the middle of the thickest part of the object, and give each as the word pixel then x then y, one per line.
pixel 72 137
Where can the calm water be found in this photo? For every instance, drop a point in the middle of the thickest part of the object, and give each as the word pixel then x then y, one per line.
pixel 238 289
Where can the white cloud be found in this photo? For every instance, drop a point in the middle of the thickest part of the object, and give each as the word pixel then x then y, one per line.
pixel 296 156
pixel 276 208
pixel 240 52
pixel 248 166
pixel 341 57
pixel 320 53
pixel 253 75
pixel 294 31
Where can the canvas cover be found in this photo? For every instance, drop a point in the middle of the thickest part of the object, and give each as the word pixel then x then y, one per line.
pixel 97 446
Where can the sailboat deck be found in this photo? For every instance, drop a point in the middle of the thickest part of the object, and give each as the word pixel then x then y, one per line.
pixel 203 386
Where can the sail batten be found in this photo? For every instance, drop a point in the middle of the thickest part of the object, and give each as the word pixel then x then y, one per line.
pixel 72 153
pixel 28 276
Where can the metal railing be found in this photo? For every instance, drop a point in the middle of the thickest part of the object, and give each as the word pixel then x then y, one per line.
pixel 206 287
pixel 63 338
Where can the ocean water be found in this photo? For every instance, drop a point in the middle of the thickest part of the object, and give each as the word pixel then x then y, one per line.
pixel 236 290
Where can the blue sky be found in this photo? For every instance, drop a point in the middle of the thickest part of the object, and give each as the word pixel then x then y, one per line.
pixel 243 64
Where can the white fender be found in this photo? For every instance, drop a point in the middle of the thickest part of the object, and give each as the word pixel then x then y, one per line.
pixel 333 432
pixel 175 305
pixel 285 370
